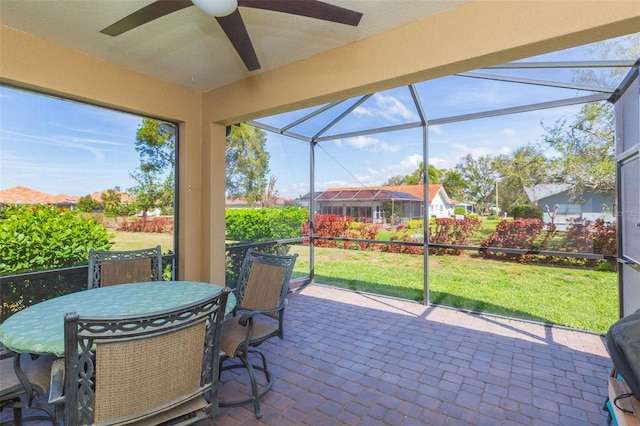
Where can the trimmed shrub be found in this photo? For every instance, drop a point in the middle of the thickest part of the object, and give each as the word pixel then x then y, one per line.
pixel 585 236
pixel 39 237
pixel 415 224
pixel 264 224
pixel 144 224
pixel 518 233
pixel 452 232
pixel 527 211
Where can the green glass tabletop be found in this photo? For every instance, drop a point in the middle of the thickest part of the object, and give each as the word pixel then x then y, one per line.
pixel 39 329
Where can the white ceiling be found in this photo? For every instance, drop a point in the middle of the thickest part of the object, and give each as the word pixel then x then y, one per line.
pixel 189 48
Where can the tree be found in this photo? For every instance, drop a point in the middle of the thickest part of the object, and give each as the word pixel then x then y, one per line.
pixel 454 184
pixel 247 163
pixel 271 194
pixel 524 168
pixel 394 181
pixel 111 203
pixel 87 204
pixel 585 150
pixel 627 47
pixel 155 143
pixel 480 175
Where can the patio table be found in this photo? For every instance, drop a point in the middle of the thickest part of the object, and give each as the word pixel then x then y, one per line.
pixel 39 329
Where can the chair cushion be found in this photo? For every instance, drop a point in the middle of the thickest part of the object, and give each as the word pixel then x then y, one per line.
pixel 37 371
pixel 264 287
pixel 125 271
pixel 234 334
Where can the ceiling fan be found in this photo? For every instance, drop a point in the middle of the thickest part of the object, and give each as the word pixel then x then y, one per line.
pixel 228 16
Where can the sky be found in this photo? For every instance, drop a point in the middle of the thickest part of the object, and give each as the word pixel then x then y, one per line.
pixel 62 147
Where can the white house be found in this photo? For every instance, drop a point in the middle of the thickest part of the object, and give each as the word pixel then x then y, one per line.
pixel 375 203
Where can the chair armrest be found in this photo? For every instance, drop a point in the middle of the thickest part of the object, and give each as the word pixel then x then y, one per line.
pixel 250 314
pixel 56 387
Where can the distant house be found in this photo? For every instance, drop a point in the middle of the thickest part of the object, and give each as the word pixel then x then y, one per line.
pixel 24 195
pixel 370 203
pixel 555 200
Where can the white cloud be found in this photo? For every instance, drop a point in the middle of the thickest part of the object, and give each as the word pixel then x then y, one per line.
pixel 437 130
pixel 370 144
pixel 362 142
pixel 388 108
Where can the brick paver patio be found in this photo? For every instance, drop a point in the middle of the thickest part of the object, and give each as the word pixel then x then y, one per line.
pixel 358 359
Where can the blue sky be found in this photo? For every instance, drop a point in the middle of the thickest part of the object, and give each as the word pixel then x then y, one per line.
pixel 62 147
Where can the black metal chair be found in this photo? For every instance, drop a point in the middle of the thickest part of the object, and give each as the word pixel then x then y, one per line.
pixel 22 379
pixel 145 369
pixel 261 293
pixel 120 267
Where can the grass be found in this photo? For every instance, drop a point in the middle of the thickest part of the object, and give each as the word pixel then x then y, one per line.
pixel 138 240
pixel 573 297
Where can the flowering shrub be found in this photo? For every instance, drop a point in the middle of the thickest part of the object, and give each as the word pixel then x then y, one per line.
pixel 519 234
pixel 38 237
pixel 405 235
pixel 144 224
pixel 451 232
pixel 328 225
pixel 585 236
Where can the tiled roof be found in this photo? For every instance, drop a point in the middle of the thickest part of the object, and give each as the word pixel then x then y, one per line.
pixel 24 195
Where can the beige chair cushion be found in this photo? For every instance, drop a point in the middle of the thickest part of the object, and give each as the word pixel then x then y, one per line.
pixel 125 271
pixel 37 371
pixel 263 287
pixel 233 334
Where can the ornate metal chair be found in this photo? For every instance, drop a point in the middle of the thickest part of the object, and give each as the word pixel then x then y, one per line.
pixel 23 378
pixel 141 369
pixel 120 267
pixel 261 293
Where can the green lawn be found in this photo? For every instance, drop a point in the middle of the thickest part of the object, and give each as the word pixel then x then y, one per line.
pixel 574 297
pixel 139 240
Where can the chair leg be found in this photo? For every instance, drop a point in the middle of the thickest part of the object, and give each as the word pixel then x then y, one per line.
pixel 256 392
pixel 17 416
pixel 254 386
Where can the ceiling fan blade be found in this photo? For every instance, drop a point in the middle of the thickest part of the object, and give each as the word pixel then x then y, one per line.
pixel 147 14
pixel 310 8
pixel 234 28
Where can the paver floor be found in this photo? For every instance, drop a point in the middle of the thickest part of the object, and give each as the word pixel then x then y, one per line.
pixel 351 358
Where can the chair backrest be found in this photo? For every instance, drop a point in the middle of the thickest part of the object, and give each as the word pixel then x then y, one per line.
pixel 263 282
pixel 121 267
pixel 148 368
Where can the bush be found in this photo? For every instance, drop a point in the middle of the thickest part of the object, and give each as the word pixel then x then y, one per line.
pixel 452 232
pixel 527 211
pixel 460 211
pixel 40 237
pixel 264 224
pixel 519 234
pixel 402 234
pixel 144 224
pixel 328 225
pixel 585 236
pixel 415 224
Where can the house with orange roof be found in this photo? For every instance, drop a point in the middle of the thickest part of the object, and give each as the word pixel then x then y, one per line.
pixel 376 203
pixel 24 195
